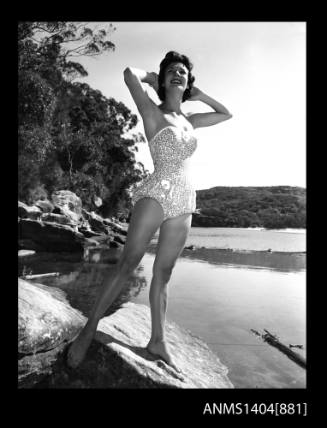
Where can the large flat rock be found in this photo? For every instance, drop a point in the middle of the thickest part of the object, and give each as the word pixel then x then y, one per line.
pixel 46 324
pixel 51 236
pixel 126 334
pixel 117 358
pixel 45 318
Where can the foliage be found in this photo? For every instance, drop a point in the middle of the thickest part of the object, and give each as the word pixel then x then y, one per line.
pixel 269 207
pixel 70 135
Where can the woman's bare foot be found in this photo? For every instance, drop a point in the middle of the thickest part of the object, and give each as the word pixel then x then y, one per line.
pixel 160 349
pixel 77 350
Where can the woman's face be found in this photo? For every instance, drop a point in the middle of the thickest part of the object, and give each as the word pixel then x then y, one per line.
pixel 176 75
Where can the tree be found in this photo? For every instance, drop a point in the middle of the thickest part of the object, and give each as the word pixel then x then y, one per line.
pixel 89 143
pixel 70 135
pixel 56 43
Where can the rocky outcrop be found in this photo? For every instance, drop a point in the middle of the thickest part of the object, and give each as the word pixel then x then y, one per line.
pixel 44 205
pixel 65 226
pixel 126 333
pixel 103 253
pixel 31 212
pixel 52 236
pixel 46 323
pixel 69 203
pixel 28 244
pixel 117 357
pixel 115 227
pixel 95 221
pixel 88 232
pixel 56 218
pixel 25 253
pixel 119 239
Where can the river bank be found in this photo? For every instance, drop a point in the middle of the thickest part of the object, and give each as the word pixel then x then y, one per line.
pixel 219 294
pixel 285 261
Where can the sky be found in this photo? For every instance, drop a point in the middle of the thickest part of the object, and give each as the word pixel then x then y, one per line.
pixel 257 70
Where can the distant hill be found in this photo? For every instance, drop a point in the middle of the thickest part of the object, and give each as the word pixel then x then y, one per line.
pixel 274 207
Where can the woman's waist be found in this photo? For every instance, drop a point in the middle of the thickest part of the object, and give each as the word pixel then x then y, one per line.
pixel 172 173
pixel 176 177
pixel 181 169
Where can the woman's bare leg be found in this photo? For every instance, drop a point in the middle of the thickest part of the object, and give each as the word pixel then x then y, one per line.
pixel 172 238
pixel 146 218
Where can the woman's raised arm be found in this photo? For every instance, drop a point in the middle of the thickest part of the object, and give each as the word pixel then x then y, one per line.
pixel 199 120
pixel 134 78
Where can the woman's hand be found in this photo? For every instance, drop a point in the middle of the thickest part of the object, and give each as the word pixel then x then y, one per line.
pixel 196 94
pixel 152 80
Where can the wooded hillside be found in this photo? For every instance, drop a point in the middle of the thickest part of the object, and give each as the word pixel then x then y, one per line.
pixel 270 207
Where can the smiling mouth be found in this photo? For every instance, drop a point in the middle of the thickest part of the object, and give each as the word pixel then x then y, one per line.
pixel 176 81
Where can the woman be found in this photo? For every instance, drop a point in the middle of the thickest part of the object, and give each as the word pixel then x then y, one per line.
pixel 166 199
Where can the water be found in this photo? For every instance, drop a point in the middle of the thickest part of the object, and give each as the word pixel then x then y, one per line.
pixel 286 240
pixel 220 296
pixel 221 304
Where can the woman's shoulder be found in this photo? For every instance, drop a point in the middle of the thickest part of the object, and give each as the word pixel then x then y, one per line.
pixel 188 116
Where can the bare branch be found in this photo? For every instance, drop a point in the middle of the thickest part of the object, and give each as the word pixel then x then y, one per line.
pixel 89 54
pixel 82 24
pixel 77 48
pixel 38 28
pixel 72 40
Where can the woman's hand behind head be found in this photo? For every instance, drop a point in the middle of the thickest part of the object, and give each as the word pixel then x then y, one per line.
pixel 152 80
pixel 195 94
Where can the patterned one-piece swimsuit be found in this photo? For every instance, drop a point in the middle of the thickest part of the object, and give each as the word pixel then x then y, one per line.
pixel 170 183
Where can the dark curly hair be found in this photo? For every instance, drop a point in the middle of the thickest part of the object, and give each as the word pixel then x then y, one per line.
pixel 171 57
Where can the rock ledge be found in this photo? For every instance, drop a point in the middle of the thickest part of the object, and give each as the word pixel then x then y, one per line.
pixel 117 358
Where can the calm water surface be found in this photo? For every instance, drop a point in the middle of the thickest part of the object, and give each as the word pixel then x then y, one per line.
pixel 287 240
pixel 219 301
pixel 221 304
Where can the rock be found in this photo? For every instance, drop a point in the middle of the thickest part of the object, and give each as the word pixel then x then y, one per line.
pixel 88 232
pixel 24 253
pixel 117 357
pixel 104 239
pixel 126 333
pixel 45 317
pixel 29 244
pixel 190 247
pixel 115 227
pixel 102 254
pixel 97 201
pixel 52 236
pixel 25 211
pixel 115 244
pixel 44 205
pixel 69 203
pixel 95 221
pixel 58 210
pixel 56 218
pixel 46 323
pixel 86 215
pixel 119 239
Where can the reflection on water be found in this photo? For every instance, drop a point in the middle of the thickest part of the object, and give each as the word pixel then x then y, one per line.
pixel 280 261
pixel 286 240
pixel 218 296
pixel 82 281
pixel 221 304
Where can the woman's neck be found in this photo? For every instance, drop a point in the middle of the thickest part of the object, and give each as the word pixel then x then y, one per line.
pixel 172 105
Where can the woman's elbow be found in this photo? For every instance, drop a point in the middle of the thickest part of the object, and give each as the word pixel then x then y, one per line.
pixel 127 73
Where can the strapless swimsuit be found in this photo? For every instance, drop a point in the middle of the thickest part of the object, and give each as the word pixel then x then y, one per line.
pixel 170 183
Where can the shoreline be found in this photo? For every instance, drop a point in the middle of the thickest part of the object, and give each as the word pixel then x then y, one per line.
pixel 276 260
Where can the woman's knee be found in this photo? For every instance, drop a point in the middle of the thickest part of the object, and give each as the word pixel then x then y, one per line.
pixel 162 271
pixel 127 263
